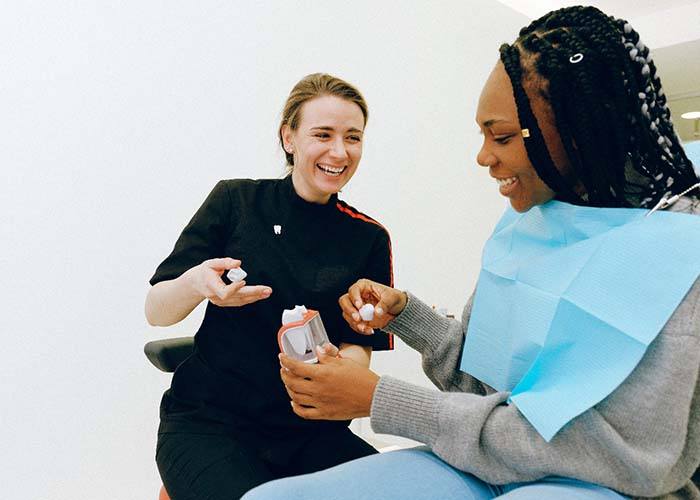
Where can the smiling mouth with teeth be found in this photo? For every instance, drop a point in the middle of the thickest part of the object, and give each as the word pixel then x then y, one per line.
pixel 331 170
pixel 507 185
pixel 506 182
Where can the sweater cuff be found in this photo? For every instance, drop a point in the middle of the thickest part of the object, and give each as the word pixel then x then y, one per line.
pixel 419 325
pixel 405 409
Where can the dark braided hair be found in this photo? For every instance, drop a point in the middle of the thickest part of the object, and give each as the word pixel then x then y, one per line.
pixel 608 105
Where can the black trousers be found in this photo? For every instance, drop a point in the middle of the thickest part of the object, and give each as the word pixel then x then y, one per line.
pixel 198 466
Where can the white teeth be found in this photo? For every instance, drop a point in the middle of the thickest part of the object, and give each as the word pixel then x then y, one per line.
pixel 506 182
pixel 331 170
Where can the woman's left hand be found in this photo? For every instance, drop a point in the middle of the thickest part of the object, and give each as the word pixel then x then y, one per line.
pixel 333 389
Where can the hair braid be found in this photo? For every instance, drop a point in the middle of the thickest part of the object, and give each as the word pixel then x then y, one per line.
pixel 535 44
pixel 608 105
pixel 536 146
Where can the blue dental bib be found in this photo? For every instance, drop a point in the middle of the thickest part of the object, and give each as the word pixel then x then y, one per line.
pixel 568 300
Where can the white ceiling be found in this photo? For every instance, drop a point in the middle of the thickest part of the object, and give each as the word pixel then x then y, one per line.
pixel 626 9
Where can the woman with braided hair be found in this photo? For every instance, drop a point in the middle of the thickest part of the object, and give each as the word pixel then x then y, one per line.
pixel 573 372
pixel 608 106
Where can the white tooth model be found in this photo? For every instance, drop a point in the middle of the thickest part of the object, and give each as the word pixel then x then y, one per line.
pixel 367 312
pixel 292 315
pixel 236 274
pixel 297 338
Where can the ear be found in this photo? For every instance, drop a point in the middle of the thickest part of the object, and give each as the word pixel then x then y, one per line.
pixel 287 138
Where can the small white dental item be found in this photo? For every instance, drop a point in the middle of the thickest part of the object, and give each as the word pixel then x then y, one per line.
pixel 293 315
pixel 367 312
pixel 236 274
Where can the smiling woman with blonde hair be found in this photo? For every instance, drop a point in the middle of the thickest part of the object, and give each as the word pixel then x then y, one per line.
pixel 226 423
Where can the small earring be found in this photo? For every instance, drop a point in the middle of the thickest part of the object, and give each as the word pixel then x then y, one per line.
pixel 290 149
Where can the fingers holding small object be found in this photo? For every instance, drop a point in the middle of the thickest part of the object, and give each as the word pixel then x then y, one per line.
pixel 355 325
pixel 348 308
pixel 306 412
pixel 361 298
pixel 329 350
pixel 356 291
pixel 236 274
pixel 221 289
pixel 297 368
pixel 223 263
pixel 238 294
pixel 224 291
pixel 367 312
pixel 292 382
pixel 256 292
pixel 300 398
pixel 243 294
pixel 294 386
pixel 365 329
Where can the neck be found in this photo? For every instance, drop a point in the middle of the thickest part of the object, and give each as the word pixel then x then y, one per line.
pixel 306 192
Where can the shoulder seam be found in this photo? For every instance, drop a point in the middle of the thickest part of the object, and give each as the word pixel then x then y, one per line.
pixel 356 214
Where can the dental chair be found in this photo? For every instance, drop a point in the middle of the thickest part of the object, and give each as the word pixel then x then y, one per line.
pixel 166 355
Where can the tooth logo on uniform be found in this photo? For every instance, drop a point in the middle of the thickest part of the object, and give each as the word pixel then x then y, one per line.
pixel 277 228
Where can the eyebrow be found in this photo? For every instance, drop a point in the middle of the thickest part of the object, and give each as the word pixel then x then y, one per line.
pixel 488 123
pixel 352 129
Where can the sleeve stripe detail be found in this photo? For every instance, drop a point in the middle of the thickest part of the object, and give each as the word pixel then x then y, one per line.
pixel 346 209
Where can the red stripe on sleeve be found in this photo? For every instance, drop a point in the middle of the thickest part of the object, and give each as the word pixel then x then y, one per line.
pixel 358 215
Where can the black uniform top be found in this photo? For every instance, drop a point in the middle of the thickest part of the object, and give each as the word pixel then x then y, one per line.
pixel 232 378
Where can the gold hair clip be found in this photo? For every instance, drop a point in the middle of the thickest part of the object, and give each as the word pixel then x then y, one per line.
pixel 525 132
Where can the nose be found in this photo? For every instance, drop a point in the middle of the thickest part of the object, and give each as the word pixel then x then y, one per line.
pixel 338 149
pixel 485 158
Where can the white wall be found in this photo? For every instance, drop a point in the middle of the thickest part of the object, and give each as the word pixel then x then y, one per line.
pixel 116 120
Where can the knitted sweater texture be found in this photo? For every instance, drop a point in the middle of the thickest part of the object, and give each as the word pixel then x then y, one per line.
pixel 643 440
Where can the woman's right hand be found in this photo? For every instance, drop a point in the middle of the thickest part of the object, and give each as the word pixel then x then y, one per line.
pixel 388 303
pixel 205 279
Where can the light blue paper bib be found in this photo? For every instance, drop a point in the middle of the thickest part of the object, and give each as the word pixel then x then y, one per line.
pixel 568 300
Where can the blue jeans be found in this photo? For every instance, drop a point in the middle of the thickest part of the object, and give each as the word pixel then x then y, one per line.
pixel 416 474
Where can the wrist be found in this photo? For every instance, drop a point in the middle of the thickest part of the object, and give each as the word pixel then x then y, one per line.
pixel 403 301
pixel 189 283
pixel 372 388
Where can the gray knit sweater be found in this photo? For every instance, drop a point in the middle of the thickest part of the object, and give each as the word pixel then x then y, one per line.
pixel 643 440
